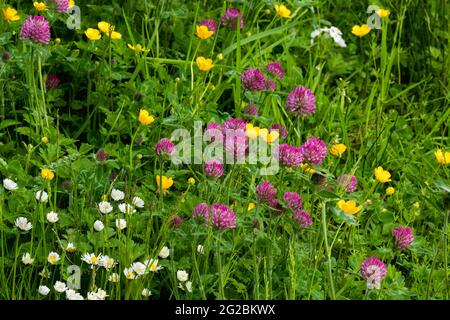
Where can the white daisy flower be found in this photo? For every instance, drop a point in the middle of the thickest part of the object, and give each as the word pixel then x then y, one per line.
pixel 98 225
pixel 126 208
pixel 44 290
pixel 146 292
pixel 23 224
pixel 129 273
pixel 70 247
pixel 152 265
pixel 91 258
pixel 72 295
pixel 10 185
pixel 117 195
pixel 53 258
pixel 105 207
pixel 138 202
pixel 26 259
pixel 121 224
pixel 182 275
pixel 60 286
pixel 101 294
pixel 139 268
pixel 41 196
pixel 52 217
pixel 107 262
pixel 164 253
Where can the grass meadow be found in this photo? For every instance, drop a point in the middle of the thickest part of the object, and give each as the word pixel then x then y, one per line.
pixel 344 103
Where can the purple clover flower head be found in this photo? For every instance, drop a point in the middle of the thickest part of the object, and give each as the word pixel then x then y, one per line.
pixel 403 237
pixel 101 155
pixel 374 271
pixel 281 130
pixel 213 169
pixel 214 132
pixel 236 143
pixel 275 69
pixel 35 28
pixel 303 218
pixel 347 182
pixel 209 23
pixel 251 110
pixel 253 79
pixel 266 192
pixel 271 85
pixel 201 210
pixel 301 101
pixel 289 156
pixel 293 200
pixel 230 18
pixel 234 124
pixel 176 221
pixel 62 6
pixel 222 216
pixel 314 150
pixel 52 81
pixel 164 147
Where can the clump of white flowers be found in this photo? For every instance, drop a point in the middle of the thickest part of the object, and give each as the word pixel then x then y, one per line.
pixel 60 286
pixel 332 32
pixel 105 207
pixel 44 290
pixel 23 224
pixel 41 196
pixel 52 217
pixel 117 195
pixel 164 253
pixel 26 259
pixel 98 225
pixel 121 224
pixel 10 185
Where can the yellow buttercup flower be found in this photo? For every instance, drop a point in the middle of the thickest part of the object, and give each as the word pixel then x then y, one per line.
pixel 47 174
pixel 251 131
pixel 71 3
pixel 251 206
pixel 382 175
pixel 361 30
pixel 390 191
pixel 267 136
pixel 58 40
pixel 349 207
pixel 105 27
pixel 307 168
pixel 10 14
pixel 191 181
pixel 282 11
pixel 40 6
pixel 442 157
pixel 93 34
pixel 204 64
pixel 219 56
pixel 383 13
pixel 203 32
pixel 108 29
pixel 115 35
pixel 44 139
pixel 164 182
pixel 338 149
pixel 145 118
pixel 137 48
